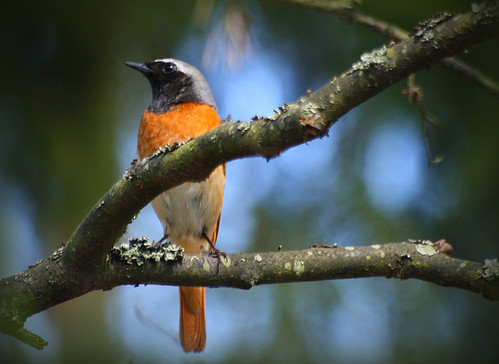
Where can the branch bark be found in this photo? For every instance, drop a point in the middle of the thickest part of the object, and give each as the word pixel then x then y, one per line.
pixel 86 264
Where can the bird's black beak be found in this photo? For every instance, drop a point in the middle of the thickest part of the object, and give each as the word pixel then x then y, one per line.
pixel 139 67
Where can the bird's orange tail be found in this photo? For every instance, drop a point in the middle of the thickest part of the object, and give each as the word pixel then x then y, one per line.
pixel 192 320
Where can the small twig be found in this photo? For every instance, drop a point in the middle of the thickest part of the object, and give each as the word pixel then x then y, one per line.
pixel 472 74
pixel 415 94
pixel 26 337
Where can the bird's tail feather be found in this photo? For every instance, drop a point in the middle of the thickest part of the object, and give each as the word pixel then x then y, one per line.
pixel 192 318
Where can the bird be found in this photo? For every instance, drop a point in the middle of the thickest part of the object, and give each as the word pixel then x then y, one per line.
pixel 183 107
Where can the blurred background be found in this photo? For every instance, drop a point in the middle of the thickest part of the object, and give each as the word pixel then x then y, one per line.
pixel 69 114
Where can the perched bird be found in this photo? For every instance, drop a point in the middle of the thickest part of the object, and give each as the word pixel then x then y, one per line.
pixel 183 107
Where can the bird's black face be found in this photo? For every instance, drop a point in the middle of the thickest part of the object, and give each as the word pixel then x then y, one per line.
pixel 173 82
pixel 169 84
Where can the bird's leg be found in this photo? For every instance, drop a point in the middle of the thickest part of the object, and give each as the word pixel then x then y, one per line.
pixel 214 252
pixel 162 240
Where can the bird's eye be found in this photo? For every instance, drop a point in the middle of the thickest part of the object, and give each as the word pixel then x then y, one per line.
pixel 169 67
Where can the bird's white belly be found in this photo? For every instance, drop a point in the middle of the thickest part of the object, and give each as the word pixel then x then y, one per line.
pixel 190 209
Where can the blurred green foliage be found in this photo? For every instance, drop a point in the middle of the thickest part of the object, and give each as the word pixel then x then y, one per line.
pixel 65 94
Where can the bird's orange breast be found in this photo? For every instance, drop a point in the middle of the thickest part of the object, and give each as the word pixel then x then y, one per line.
pixel 179 123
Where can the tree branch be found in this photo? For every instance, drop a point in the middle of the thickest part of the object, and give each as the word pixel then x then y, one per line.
pixel 423 260
pixel 346 11
pixel 85 264
pixel 141 262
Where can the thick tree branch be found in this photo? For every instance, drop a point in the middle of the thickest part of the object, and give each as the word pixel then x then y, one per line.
pixel 346 11
pixel 84 263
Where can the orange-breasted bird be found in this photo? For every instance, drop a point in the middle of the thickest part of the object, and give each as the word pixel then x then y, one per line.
pixel 182 108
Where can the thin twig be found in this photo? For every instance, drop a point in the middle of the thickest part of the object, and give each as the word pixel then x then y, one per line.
pixel 414 94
